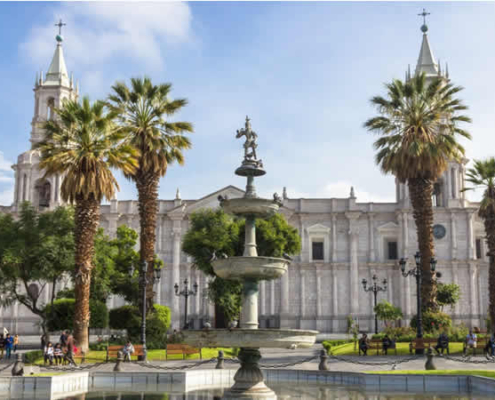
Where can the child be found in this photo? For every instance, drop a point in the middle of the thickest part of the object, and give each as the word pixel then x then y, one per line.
pixel 49 353
pixel 58 354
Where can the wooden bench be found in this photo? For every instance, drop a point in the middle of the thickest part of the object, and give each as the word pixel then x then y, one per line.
pixel 376 344
pixel 183 349
pixel 423 344
pixel 480 345
pixel 112 351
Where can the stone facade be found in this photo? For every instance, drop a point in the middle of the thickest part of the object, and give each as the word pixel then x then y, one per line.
pixel 343 241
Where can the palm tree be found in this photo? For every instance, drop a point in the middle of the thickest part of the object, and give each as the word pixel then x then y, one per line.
pixel 82 143
pixel 144 111
pixel 419 129
pixel 482 175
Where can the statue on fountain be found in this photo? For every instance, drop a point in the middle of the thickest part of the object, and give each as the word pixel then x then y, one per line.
pixel 250 145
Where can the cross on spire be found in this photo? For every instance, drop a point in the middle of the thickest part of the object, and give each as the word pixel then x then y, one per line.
pixel 424 14
pixel 60 25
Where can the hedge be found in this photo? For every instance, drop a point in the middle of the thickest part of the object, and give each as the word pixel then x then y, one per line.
pixel 63 314
pixel 157 324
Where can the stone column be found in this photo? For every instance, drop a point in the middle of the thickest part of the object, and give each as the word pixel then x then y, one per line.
pixel 472 292
pixel 28 186
pixel 263 298
pixel 405 233
pixel 335 299
pixel 303 296
pixel 453 236
pixel 334 238
pixel 455 278
pixel 372 253
pixel 284 298
pixel 448 185
pixel 272 297
pixel 16 186
pixel 112 224
pixel 470 235
pixel 318 293
pixel 174 301
pixel 353 261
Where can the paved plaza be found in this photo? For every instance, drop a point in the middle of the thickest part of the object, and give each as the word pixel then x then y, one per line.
pixel 288 359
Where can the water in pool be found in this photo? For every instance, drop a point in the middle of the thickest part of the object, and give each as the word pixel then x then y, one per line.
pixel 285 392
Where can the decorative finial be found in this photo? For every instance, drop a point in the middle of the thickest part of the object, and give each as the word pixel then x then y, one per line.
pixel 177 194
pixel 72 80
pixel 59 38
pixel 447 70
pixel 284 193
pixel 37 80
pixel 352 195
pixel 424 27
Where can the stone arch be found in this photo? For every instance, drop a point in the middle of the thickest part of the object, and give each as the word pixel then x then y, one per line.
pixel 42 193
pixel 50 106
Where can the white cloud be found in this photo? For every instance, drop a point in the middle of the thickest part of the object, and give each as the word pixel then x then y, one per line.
pixel 5 165
pixel 339 189
pixel 7 196
pixel 97 32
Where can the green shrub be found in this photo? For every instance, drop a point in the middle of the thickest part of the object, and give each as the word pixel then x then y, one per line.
pixel 31 356
pixel 329 344
pixel 433 321
pixel 157 323
pixel 387 312
pixel 62 315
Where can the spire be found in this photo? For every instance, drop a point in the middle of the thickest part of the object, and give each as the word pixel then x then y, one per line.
pixel 426 60
pixel 57 73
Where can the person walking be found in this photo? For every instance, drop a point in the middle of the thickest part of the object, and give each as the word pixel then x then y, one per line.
pixel 9 344
pixel 16 342
pixel 69 356
pixel 2 345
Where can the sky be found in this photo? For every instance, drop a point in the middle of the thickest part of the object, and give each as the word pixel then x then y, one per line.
pixel 303 72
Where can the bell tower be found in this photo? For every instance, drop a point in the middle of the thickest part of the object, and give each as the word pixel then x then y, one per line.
pixel 50 91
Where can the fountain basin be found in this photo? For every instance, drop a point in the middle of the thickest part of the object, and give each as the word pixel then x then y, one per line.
pixel 262 208
pixel 254 338
pixel 250 268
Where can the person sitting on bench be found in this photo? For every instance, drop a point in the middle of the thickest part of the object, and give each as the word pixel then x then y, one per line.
pixel 442 343
pixel 471 340
pixel 490 346
pixel 386 344
pixel 128 350
pixel 364 344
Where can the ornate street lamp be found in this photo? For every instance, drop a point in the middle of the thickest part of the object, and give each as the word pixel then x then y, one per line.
pixel 374 288
pixel 143 280
pixel 186 293
pixel 417 272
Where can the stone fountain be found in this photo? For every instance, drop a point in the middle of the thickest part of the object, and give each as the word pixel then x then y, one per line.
pixel 250 269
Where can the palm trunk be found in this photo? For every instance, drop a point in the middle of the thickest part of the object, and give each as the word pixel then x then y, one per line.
pixel 421 191
pixel 87 218
pixel 489 220
pixel 147 186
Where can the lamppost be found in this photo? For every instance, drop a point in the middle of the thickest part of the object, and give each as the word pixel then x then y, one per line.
pixel 417 272
pixel 374 288
pixel 143 280
pixel 186 293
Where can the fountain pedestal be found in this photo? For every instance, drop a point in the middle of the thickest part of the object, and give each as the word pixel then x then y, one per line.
pixel 250 269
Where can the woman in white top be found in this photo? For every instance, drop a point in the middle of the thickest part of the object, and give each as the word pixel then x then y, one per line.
pixel 49 353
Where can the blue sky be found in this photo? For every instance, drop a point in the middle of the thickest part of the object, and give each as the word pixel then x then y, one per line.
pixel 303 72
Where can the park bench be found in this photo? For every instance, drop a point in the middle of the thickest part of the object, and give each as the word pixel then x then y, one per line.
pixel 480 345
pixel 376 344
pixel 183 349
pixel 423 344
pixel 112 351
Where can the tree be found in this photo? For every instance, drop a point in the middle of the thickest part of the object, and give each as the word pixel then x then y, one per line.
pixel 448 294
pixel 419 130
pixel 387 312
pixel 36 250
pixel 82 144
pixel 482 175
pixel 215 231
pixel 143 111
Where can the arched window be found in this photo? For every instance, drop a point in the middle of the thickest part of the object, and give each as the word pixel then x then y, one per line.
pixel 43 192
pixel 51 106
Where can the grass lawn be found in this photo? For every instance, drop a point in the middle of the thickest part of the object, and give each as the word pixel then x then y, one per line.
pixel 155 355
pixel 402 349
pixel 479 372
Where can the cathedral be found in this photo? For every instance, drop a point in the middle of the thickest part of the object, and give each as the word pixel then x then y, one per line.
pixel 343 240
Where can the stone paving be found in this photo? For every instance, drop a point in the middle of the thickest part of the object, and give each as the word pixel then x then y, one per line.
pixel 282 356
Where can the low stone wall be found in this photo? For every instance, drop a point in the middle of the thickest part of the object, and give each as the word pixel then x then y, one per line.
pixel 178 382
